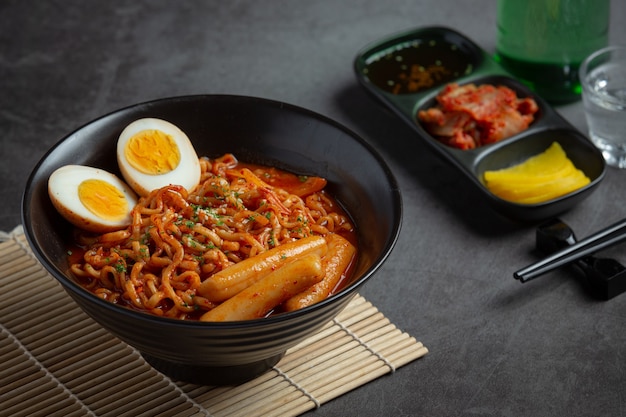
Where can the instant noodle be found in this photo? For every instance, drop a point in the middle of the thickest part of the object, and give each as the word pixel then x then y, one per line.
pixel 170 260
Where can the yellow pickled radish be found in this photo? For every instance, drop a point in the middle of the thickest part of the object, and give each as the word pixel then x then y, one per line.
pixel 541 178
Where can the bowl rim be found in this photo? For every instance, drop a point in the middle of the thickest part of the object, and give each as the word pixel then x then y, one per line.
pixel 347 291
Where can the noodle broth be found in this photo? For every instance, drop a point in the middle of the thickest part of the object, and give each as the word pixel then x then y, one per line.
pixel 178 239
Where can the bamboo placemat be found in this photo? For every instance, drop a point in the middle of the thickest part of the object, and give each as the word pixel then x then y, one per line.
pixel 56 361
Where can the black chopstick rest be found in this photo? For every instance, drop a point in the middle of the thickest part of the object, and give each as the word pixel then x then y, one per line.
pixel 605 238
pixel 605 277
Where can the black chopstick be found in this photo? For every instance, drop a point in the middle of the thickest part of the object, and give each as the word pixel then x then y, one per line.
pixel 594 243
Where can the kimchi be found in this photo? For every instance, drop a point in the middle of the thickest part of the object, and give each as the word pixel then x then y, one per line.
pixel 468 116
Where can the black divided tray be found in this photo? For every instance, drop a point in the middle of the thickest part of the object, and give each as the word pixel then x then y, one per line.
pixel 468 63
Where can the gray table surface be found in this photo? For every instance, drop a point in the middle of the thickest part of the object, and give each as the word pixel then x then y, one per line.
pixel 497 347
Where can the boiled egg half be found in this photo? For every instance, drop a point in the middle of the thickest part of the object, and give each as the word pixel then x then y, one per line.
pixel 153 153
pixel 91 199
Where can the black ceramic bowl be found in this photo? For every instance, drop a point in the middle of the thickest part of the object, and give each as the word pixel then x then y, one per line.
pixel 255 130
pixel 379 65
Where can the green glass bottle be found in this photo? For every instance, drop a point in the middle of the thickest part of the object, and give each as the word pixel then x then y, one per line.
pixel 543 42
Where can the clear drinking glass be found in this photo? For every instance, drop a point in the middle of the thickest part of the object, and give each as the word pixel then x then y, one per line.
pixel 603 79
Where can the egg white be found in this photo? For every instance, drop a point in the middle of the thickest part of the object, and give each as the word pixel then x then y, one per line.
pixel 63 187
pixel 186 173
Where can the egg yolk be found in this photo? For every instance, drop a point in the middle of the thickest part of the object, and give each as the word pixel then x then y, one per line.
pixel 103 199
pixel 152 152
